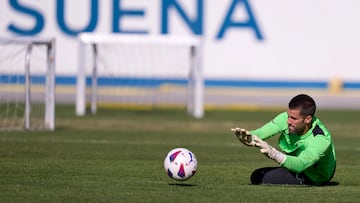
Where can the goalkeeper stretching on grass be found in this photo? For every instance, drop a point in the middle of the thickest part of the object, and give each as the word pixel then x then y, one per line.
pixel 306 155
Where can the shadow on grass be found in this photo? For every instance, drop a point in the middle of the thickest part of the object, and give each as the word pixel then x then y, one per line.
pixel 182 184
pixel 332 183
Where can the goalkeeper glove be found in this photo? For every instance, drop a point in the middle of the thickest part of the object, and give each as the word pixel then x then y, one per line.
pixel 269 150
pixel 244 136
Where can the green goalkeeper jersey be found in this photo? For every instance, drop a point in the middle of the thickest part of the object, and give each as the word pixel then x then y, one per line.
pixel 312 153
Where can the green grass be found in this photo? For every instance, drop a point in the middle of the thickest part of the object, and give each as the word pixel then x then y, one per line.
pixel 117 156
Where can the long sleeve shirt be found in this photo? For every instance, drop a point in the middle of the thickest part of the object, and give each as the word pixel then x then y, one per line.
pixel 312 153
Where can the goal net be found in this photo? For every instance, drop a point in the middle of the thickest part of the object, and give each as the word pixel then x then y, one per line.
pixel 27 83
pixel 139 71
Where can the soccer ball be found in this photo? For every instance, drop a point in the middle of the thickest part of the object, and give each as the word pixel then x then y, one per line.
pixel 180 164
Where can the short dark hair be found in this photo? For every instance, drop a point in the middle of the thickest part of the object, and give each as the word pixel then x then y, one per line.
pixel 306 104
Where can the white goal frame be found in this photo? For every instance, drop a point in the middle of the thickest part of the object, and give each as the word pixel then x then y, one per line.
pixel 195 101
pixel 49 100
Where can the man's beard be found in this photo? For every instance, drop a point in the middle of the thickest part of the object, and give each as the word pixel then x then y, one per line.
pixel 294 131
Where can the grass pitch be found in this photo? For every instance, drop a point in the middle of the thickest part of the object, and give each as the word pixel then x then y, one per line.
pixel 117 156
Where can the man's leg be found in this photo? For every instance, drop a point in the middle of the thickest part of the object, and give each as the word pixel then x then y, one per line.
pixel 275 175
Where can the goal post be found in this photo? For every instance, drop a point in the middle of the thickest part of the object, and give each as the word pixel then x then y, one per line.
pixel 142 66
pixel 27 70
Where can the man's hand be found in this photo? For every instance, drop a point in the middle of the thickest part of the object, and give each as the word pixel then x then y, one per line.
pixel 269 150
pixel 244 136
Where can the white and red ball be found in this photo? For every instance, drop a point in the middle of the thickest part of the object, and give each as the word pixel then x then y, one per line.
pixel 180 164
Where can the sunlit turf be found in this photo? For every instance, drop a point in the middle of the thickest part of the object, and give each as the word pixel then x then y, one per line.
pixel 117 156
